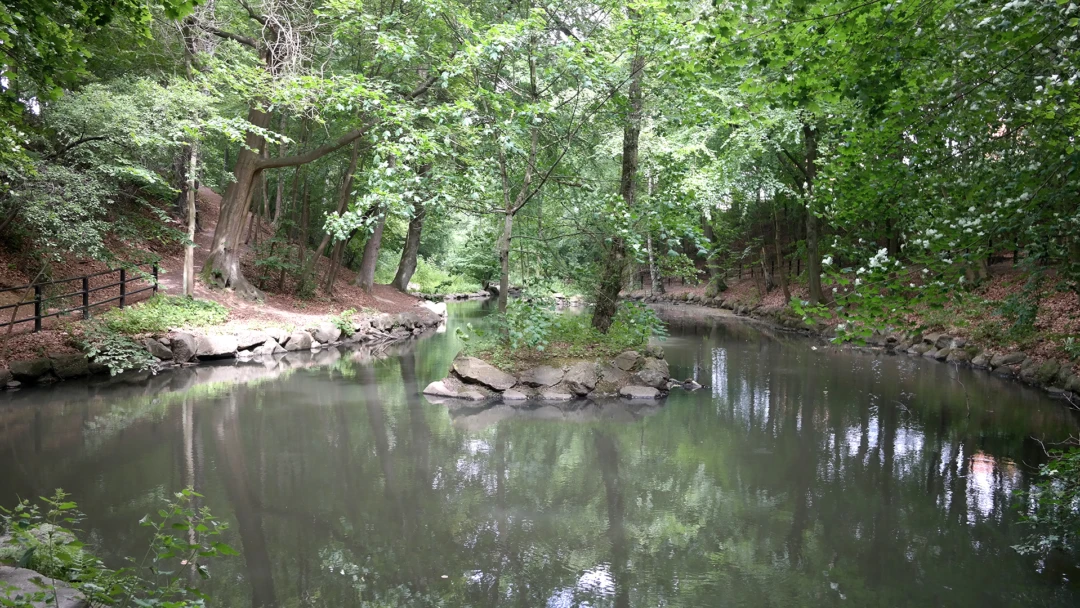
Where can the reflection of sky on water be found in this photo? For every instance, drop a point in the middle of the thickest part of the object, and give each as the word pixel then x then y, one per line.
pixel 593 583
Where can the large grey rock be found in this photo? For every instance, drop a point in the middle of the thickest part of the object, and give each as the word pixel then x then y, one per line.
pixel 215 346
pixel 943 353
pixel 269 347
pixel 958 355
pixel 654 351
pixel 1007 359
pixel 545 375
pixel 471 394
pixel 514 395
pixel 439 389
pixel 981 360
pixel 555 393
pixel 408 320
pixel 931 338
pixel 627 360
pixel 5 377
pixel 158 349
pixel 30 370
pixel 250 338
pixel 299 340
pixel 1073 384
pixel 69 366
pixel 581 377
pixel 639 392
pixel 30 585
pixel 920 348
pixel 278 334
pixel 327 332
pixel 611 380
pixel 1040 374
pixel 476 371
pixel 184 346
pixel 654 373
pixel 943 341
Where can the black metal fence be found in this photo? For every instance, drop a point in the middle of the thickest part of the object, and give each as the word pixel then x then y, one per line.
pixel 40 300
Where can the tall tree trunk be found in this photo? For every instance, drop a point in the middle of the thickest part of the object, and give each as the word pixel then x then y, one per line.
pixel 222 267
pixel 780 272
pixel 813 253
pixel 407 265
pixel 504 259
pixel 343 202
pixel 611 280
pixel 189 248
pixel 656 286
pixel 365 277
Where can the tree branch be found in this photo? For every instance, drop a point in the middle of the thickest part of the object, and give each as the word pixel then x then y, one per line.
pixel 307 157
pixel 78 142
pixel 244 40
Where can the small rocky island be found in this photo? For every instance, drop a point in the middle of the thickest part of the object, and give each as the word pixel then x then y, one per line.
pixel 631 375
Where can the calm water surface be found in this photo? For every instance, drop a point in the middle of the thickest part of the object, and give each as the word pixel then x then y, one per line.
pixel 800 476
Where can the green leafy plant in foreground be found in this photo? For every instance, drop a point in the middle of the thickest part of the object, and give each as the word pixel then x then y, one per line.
pixel 106 346
pixel 161 313
pixel 43 539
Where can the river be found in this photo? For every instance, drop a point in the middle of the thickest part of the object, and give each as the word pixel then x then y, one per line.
pixel 802 475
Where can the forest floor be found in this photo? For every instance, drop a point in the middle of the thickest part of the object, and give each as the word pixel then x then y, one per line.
pixel 977 316
pixel 281 307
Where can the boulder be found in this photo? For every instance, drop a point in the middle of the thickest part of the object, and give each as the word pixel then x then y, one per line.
pixel 920 348
pixel 691 385
pixel 31 370
pixel 654 373
pixel 545 375
pixel 639 392
pixel 327 332
pixel 1040 374
pixel 581 378
pixel 439 389
pixel 158 349
pixel 981 360
pixel 958 355
pixel 611 380
pixel 958 343
pixel 215 346
pixel 72 365
pixel 27 583
pixel 471 394
pixel 270 347
pixel 251 338
pixel 555 394
pixel 183 347
pixel 277 334
pixel 476 371
pixel 931 354
pixel 514 395
pixel 1007 359
pixel 5 377
pixel 1006 371
pixel 1073 385
pixel 654 351
pixel 943 354
pixel 627 360
pixel 408 320
pixel 299 340
pixel 96 368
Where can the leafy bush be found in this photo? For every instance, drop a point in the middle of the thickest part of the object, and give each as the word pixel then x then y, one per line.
pixel 119 352
pixel 432 279
pixel 635 324
pixel 528 322
pixel 1054 506
pixel 344 321
pixel 43 539
pixel 161 313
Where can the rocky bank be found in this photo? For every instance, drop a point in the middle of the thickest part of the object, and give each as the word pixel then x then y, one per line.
pixel 631 375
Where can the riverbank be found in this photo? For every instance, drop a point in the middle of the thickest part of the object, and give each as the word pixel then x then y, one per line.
pixel 190 346
pixel 1058 378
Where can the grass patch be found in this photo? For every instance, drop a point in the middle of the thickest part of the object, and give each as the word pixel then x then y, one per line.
pixel 161 313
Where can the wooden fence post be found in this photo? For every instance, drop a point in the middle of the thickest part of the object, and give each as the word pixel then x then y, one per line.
pixel 37 307
pixel 155 279
pixel 86 297
pixel 123 286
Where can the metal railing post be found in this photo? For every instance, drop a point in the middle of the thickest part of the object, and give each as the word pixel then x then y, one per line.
pixel 123 286
pixel 37 307
pixel 86 297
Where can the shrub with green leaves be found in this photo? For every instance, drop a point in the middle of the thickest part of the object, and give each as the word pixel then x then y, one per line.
pixel 528 322
pixel 109 347
pixel 162 313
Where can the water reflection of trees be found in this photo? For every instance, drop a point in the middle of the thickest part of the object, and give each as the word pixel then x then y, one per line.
pixel 798 478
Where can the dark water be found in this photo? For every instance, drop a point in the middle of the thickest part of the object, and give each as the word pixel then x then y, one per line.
pixel 798 477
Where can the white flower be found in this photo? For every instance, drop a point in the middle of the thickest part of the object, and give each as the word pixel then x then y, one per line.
pixel 827 260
